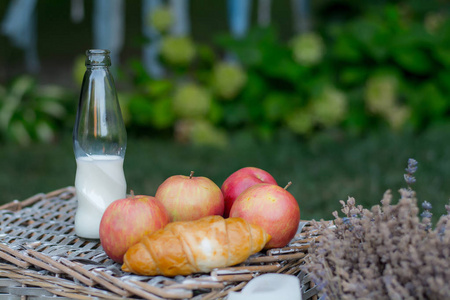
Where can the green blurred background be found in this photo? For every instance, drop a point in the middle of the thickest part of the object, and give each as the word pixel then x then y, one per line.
pixel 337 110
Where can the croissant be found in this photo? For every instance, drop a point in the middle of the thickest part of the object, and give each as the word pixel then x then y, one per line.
pixel 183 248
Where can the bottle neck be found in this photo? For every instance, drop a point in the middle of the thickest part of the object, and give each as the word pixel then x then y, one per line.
pixel 97 58
pixel 91 68
pixel 99 127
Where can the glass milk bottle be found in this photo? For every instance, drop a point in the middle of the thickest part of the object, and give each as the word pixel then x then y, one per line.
pixel 99 142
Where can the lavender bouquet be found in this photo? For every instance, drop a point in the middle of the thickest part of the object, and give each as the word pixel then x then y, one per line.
pixel 387 252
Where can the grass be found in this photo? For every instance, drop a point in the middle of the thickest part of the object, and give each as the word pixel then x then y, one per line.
pixel 324 170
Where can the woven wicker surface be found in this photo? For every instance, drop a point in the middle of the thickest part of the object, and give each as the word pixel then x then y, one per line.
pixel 42 258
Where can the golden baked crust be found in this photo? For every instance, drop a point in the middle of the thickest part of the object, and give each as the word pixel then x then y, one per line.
pixel 183 248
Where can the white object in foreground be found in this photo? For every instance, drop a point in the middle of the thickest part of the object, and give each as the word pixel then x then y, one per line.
pixel 99 181
pixel 270 287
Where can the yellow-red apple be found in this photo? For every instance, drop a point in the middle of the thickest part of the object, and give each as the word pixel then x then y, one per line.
pixel 271 207
pixel 241 180
pixel 127 220
pixel 189 198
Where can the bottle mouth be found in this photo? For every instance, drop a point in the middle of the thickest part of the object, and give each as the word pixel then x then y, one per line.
pixel 98 57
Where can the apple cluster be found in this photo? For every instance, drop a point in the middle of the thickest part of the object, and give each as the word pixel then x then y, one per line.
pixel 249 193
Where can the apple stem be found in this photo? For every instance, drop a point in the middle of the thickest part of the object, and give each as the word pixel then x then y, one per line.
pixel 288 185
pixel 192 174
pixel 132 193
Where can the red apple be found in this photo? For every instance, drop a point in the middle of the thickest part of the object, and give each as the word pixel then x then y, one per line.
pixel 127 220
pixel 189 198
pixel 241 180
pixel 271 207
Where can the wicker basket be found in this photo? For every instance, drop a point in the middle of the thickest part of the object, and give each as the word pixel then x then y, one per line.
pixel 42 258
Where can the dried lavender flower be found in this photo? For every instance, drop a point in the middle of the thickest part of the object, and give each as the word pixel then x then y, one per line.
pixel 426 205
pixel 412 162
pixel 412 166
pixel 426 214
pixel 409 179
pixel 410 170
pixel 385 253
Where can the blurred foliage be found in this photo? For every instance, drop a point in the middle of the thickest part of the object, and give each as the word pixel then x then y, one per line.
pixel 366 66
pixel 387 66
pixel 162 18
pixel 31 112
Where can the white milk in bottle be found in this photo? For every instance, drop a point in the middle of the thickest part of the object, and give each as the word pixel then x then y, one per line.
pixel 99 143
pixel 99 181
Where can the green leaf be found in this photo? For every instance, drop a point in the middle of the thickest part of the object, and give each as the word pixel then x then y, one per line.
pixel 235 114
pixel 44 131
pixel 353 75
pixel 141 110
pixel 413 59
pixel 52 92
pixel 159 88
pixel 21 86
pixel 18 132
pixel 372 35
pixel 442 54
pixel 433 101
pixel 251 50
pixel 216 112
pixel 428 104
pixel 206 53
pixel 52 108
pixel 283 68
pixel 443 78
pixel 141 76
pixel 346 48
pixel 276 106
pixel 265 132
pixel 162 113
pixel 256 87
pixel 356 121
